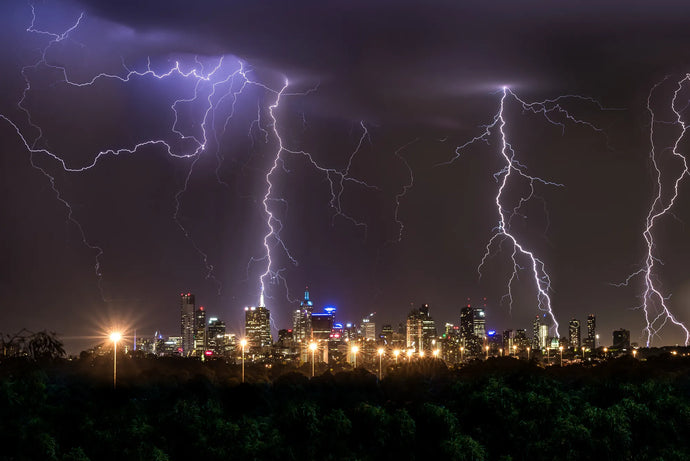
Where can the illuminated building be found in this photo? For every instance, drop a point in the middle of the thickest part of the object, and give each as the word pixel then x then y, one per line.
pixel 421 329
pixel 322 324
pixel 521 340
pixel 621 339
pixel 590 341
pixel 574 334
pixel 187 307
pixel 200 331
pixel 472 343
pixel 301 320
pixel 544 336
pixel 368 328
pixel 479 321
pixel 257 327
pixel 508 339
pixel 387 334
pixel 216 336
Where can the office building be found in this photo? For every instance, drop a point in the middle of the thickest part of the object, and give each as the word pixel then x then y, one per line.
pixel 187 308
pixel 200 331
pixel 215 336
pixel 574 334
pixel 257 325
pixel 368 328
pixel 301 320
pixel 421 329
pixel 590 341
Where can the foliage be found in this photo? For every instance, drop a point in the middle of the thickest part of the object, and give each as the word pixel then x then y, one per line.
pixel 176 409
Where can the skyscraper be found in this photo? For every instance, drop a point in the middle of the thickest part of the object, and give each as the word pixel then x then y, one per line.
pixel 574 333
pixel 187 322
pixel 421 329
pixel 301 319
pixel 591 340
pixel 215 336
pixel 257 327
pixel 368 328
pixel 200 331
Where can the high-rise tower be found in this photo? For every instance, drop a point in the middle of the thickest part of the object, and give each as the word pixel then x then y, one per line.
pixel 187 322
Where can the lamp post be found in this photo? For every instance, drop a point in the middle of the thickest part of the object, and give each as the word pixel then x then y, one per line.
pixel 436 352
pixel 421 354
pixel 514 349
pixel 409 354
pixel 500 351
pixel 243 343
pixel 115 337
pixel 380 358
pixel 583 353
pixel 396 353
pixel 312 348
pixel 462 354
pixel 606 349
pixel 548 355
pixel 487 352
pixel 528 348
pixel 560 348
pixel 634 352
pixel 355 349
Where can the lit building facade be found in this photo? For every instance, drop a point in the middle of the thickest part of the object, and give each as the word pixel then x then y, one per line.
pixel 257 327
pixel 200 331
pixel 187 308
pixel 574 334
pixel 301 320
pixel 215 336
pixel 421 329
pixel 590 341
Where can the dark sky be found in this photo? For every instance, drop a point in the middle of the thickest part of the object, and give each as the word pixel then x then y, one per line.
pixel 420 75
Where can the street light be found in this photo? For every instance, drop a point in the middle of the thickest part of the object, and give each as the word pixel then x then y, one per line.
pixel 606 349
pixel 396 353
pixel 312 348
pixel 487 352
pixel 243 343
pixel 500 351
pixel 583 353
pixel 514 349
pixel 421 354
pixel 115 337
pixel 436 352
pixel 528 348
pixel 409 354
pixel 355 349
pixel 561 349
pixel 381 351
pixel 462 353
pixel 634 352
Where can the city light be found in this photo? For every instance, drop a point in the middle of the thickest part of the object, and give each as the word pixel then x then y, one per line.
pixel 243 343
pixel 436 352
pixel 396 353
pixel 115 336
pixel 312 348
pixel 560 348
pixel 380 352
pixel 354 350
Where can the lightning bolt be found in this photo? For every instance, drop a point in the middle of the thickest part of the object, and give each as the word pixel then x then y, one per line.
pixel 406 187
pixel 336 178
pixel 654 303
pixel 211 89
pixel 513 171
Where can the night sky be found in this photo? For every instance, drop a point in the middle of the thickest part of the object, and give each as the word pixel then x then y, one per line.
pixel 419 79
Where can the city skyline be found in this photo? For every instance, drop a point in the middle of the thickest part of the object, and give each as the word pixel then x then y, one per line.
pixel 247 168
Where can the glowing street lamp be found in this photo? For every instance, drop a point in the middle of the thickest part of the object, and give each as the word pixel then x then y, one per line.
pixel 115 337
pixel 421 354
pixel 583 353
pixel 500 351
pixel 409 354
pixel 381 351
pixel 355 349
pixel 634 352
pixel 606 349
pixel 396 353
pixel 561 349
pixel 243 343
pixel 312 348
pixel 514 349
pixel 528 349
pixel 436 352
pixel 462 353
pixel 487 352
